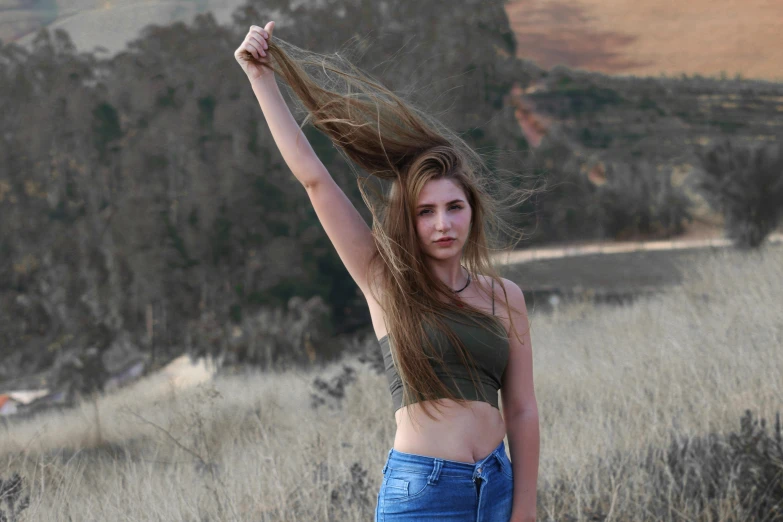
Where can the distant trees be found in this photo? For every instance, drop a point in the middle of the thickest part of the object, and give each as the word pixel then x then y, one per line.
pixel 620 198
pixel 144 193
pixel 613 198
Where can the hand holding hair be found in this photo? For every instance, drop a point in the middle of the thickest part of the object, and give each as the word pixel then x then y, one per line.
pixel 251 55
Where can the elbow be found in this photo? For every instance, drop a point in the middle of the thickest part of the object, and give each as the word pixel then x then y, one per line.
pixel 310 185
pixel 312 173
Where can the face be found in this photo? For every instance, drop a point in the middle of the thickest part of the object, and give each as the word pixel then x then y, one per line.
pixel 442 211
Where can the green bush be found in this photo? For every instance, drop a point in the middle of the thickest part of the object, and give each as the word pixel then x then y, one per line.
pixel 745 184
pixel 637 199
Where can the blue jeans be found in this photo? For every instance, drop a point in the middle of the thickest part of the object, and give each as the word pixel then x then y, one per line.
pixel 417 488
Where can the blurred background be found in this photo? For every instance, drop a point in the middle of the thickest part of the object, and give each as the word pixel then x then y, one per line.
pixel 146 213
pixel 177 332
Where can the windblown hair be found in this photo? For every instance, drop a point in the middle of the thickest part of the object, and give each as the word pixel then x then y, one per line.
pixel 392 140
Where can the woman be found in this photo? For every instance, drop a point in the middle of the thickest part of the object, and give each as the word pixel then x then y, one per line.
pixel 449 341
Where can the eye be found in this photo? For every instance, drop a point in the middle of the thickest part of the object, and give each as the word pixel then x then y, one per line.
pixel 452 206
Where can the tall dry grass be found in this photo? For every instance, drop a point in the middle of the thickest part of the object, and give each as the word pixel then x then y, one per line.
pixel 613 387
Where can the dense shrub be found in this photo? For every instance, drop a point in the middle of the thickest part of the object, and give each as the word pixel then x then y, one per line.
pixel 747 466
pixel 11 498
pixel 730 477
pixel 745 184
pixel 637 199
pixel 332 392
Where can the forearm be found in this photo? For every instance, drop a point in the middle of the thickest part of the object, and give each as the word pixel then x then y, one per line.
pixel 293 144
pixel 524 446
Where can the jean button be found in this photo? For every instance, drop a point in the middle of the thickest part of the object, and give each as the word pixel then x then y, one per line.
pixel 479 470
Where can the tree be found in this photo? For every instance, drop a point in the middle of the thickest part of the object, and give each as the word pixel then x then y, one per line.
pixel 745 184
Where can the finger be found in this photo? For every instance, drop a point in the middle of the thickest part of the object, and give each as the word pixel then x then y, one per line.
pixel 270 26
pixel 258 41
pixel 251 48
pixel 258 32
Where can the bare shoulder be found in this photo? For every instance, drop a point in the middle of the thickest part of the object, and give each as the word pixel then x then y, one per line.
pixel 516 302
pixel 515 297
pixel 512 289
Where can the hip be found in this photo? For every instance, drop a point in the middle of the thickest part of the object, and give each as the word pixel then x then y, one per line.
pixel 419 487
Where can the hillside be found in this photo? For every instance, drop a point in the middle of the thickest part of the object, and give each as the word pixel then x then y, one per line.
pixel 610 36
pixel 606 121
pixel 98 23
pixel 153 213
pixel 704 37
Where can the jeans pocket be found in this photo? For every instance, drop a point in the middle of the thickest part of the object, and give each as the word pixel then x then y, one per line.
pixel 401 486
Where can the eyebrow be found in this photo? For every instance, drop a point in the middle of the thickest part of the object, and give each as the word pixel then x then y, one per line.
pixel 449 203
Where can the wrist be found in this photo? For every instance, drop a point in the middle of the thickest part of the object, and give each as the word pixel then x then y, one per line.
pixel 519 516
pixel 264 77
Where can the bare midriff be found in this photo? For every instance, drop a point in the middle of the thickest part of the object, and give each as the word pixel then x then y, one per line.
pixel 461 433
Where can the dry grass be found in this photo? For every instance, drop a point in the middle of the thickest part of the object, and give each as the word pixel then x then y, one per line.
pixel 611 383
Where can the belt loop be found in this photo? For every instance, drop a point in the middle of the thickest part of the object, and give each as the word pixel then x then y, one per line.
pixel 433 478
pixel 386 465
pixel 503 459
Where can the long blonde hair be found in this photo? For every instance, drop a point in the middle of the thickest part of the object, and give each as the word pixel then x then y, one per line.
pixel 393 141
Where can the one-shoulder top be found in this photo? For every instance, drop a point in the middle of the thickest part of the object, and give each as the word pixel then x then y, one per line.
pixel 488 347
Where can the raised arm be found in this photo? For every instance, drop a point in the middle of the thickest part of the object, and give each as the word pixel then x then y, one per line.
pixel 345 227
pixel 293 144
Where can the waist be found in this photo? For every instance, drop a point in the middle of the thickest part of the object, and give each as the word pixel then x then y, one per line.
pixel 458 433
pixel 424 464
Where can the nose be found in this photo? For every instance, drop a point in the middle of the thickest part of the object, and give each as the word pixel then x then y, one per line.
pixel 441 221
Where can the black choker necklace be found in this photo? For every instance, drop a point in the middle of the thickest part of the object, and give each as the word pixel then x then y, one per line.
pixel 464 287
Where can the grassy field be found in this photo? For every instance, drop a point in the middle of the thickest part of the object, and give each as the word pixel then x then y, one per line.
pixel 614 386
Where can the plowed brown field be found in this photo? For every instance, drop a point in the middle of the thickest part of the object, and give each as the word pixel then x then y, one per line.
pixel 649 37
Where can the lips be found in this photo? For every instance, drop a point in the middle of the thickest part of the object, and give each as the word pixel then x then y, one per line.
pixel 444 239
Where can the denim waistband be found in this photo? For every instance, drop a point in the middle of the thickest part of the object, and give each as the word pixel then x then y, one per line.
pixel 436 466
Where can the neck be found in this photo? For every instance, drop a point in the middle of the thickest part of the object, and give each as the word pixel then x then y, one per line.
pixel 452 274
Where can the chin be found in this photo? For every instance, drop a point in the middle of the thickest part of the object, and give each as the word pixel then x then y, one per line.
pixel 446 254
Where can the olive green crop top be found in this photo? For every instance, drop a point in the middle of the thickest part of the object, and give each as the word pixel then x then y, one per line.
pixel 488 350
